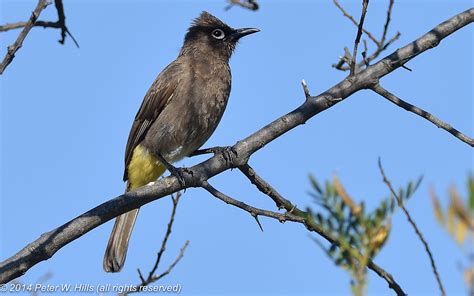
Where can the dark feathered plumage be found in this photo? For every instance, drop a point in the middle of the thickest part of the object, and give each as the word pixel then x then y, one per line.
pixel 179 113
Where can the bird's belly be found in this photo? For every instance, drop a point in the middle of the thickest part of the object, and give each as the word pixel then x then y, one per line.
pixel 182 128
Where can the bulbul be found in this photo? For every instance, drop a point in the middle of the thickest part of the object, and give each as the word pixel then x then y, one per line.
pixel 179 113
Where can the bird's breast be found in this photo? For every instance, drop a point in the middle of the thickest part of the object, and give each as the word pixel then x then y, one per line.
pixel 193 114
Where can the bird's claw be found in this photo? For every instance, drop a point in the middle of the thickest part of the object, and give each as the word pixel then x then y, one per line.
pixel 179 174
pixel 227 152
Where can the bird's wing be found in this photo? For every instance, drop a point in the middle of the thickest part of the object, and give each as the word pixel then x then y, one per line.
pixel 156 99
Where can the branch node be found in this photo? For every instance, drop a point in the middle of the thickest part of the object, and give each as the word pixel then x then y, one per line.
pixel 306 90
pixel 406 68
pixel 258 221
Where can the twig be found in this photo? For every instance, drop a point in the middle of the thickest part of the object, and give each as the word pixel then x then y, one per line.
pixel 381 44
pixel 420 112
pixel 59 24
pixel 351 18
pixel 305 90
pixel 365 3
pixel 281 202
pixel 62 23
pixel 292 214
pixel 248 4
pixel 265 188
pixel 49 243
pixel 18 25
pixel 415 227
pixel 12 49
pixel 167 234
pixel 152 277
pixel 155 278
pixel 364 54
pixel 387 21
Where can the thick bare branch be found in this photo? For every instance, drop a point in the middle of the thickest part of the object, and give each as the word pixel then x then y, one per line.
pixel 420 112
pixel 49 243
pixel 415 227
pixel 12 49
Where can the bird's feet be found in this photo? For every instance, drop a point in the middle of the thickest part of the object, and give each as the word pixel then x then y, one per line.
pixel 227 152
pixel 177 172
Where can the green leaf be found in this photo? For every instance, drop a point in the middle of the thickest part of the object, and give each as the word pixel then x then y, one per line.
pixel 319 219
pixel 329 224
pixel 332 250
pixel 409 189
pixel 315 184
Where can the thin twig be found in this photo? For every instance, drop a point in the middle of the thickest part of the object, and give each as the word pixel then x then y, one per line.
pixel 420 112
pixel 18 25
pixel 59 24
pixel 381 44
pixel 415 227
pixel 62 23
pixel 152 277
pixel 365 3
pixel 281 202
pixel 248 4
pixel 12 49
pixel 305 90
pixel 351 18
pixel 387 21
pixel 167 234
pixel 49 243
pixel 155 278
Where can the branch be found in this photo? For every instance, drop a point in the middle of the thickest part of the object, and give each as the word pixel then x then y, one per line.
pixel 381 44
pixel 248 4
pixel 415 227
pixel 351 18
pixel 387 21
pixel 18 25
pixel 33 22
pixel 12 49
pixel 420 112
pixel 282 202
pixel 152 277
pixel 49 243
pixel 365 3
pixel 62 23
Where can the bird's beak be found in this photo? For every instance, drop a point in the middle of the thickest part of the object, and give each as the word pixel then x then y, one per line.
pixel 239 33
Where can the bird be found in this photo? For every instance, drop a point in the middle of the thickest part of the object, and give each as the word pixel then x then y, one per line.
pixel 179 113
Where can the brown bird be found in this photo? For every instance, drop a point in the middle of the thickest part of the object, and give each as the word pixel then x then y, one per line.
pixel 179 113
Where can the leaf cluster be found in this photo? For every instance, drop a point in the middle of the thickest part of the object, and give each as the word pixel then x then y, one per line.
pixel 360 234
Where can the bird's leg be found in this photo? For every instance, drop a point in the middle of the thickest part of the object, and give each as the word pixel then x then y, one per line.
pixel 227 152
pixel 178 173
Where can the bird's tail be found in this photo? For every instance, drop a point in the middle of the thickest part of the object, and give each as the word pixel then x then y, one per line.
pixel 116 251
pixel 142 170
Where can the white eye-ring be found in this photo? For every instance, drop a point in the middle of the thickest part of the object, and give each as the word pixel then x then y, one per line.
pixel 218 34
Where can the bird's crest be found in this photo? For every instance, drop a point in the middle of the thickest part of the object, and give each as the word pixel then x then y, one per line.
pixel 205 19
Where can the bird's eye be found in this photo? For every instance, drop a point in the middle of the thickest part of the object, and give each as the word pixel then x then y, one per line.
pixel 218 34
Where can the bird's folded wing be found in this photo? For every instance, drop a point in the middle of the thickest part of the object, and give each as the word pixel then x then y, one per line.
pixel 156 99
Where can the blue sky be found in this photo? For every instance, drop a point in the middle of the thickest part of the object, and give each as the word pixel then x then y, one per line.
pixel 66 113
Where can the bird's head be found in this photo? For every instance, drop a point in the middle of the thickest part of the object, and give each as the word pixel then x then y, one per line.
pixel 210 35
